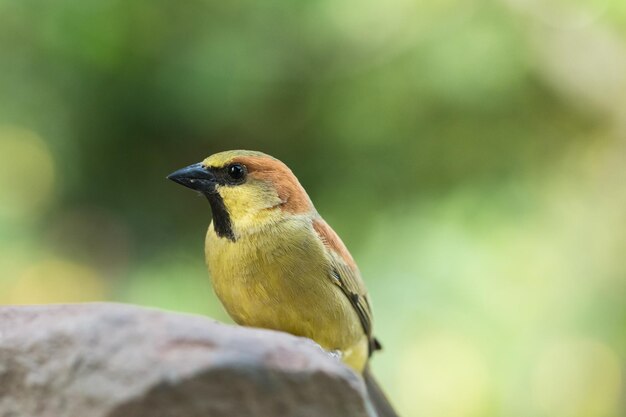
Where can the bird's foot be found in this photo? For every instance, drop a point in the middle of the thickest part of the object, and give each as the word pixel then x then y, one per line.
pixel 337 354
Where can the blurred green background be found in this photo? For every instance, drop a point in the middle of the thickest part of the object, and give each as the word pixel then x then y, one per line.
pixel 471 153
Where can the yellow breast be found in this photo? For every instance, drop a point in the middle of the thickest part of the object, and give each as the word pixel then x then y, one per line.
pixel 279 278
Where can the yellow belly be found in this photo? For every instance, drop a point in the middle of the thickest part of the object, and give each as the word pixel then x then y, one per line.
pixel 282 282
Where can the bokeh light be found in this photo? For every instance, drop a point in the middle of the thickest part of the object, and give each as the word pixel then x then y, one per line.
pixel 445 364
pixel 56 281
pixel 577 378
pixel 27 174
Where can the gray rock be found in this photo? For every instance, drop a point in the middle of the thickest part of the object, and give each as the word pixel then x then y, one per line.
pixel 112 360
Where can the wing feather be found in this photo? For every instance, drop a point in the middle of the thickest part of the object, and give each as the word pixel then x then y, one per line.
pixel 345 274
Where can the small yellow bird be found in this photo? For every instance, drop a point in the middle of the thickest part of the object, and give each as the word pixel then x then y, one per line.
pixel 276 264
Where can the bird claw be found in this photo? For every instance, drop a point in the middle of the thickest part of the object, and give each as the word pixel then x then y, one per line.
pixel 336 354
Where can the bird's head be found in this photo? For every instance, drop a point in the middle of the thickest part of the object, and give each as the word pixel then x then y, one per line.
pixel 247 190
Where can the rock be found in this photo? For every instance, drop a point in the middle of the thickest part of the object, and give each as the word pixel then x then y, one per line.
pixel 113 360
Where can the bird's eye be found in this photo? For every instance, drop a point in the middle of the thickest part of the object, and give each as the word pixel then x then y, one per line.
pixel 236 172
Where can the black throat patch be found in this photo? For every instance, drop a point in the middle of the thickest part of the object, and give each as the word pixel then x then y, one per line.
pixel 221 217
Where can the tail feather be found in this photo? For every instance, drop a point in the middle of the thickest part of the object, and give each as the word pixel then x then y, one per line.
pixel 381 404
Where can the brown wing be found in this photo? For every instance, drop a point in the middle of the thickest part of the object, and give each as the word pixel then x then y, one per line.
pixel 345 274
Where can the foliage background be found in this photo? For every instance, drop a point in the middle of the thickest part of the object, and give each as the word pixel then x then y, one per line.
pixel 471 153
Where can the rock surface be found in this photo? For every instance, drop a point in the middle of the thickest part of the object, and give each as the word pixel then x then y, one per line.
pixel 113 360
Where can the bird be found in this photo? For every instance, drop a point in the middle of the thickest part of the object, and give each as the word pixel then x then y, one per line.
pixel 275 263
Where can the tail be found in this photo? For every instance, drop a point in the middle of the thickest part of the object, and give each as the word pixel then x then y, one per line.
pixel 377 396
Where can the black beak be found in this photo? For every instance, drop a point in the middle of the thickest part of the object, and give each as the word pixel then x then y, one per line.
pixel 196 177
